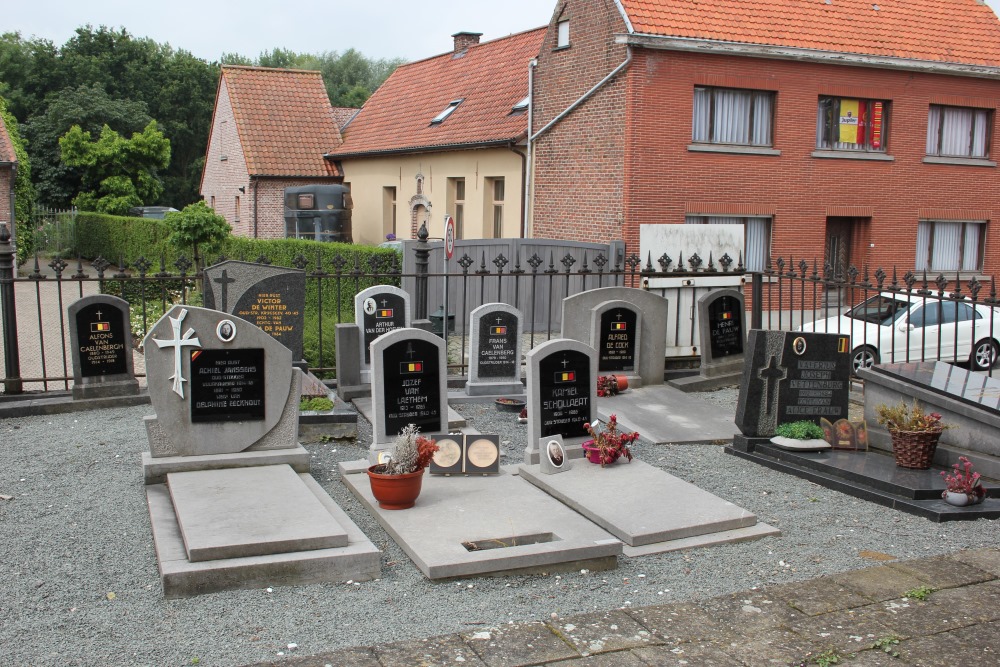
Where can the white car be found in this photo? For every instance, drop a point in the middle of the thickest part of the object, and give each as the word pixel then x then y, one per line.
pixel 895 328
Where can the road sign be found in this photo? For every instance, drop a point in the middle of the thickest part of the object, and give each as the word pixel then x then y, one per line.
pixel 449 236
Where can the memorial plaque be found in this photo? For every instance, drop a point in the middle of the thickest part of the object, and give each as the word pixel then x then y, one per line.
pixel 793 376
pixel 564 392
pixel 411 387
pixel 616 339
pixel 381 313
pixel 725 326
pixel 498 353
pixel 101 341
pixel 270 297
pixel 227 385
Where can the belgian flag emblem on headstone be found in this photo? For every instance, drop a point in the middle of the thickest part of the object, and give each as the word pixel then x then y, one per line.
pixel 411 367
pixel 96 327
pixel 498 331
pixel 563 377
pixel 384 313
pixel 619 326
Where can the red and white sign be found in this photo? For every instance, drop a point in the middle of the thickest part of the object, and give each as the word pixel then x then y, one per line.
pixel 449 236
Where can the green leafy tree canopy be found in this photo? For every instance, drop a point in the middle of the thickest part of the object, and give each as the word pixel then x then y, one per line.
pixel 118 173
pixel 24 191
pixel 197 225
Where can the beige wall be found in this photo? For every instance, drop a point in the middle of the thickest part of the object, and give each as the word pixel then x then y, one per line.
pixel 369 177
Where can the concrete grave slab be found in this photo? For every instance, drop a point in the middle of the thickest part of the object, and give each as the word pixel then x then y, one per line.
pixel 223 514
pixel 366 407
pixel 639 503
pixel 358 561
pixel 666 414
pixel 155 470
pixel 535 533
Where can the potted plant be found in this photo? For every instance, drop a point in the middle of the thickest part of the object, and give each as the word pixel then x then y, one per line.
pixel 607 444
pixel 396 484
pixel 522 417
pixel 913 431
pixel 801 435
pixel 963 487
pixel 611 385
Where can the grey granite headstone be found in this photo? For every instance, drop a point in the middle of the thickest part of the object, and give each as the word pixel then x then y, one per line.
pixel 722 325
pixel 101 340
pixel 792 376
pixel 577 323
pixel 271 297
pixel 379 310
pixel 218 385
pixel 409 385
pixel 495 334
pixel 562 394
pixel 616 330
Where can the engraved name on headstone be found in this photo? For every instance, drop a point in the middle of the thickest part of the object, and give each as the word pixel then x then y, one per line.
pixel 227 385
pixel 617 336
pixel 101 339
pixel 495 333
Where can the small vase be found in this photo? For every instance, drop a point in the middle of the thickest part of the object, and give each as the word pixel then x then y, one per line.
pixel 622 382
pixel 594 455
pixel 962 499
pixel 395 492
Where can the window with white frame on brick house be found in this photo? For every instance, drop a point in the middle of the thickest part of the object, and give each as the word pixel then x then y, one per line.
pixel 950 245
pixel 456 205
pixel 562 34
pixel 958 131
pixel 757 236
pixel 732 116
pixel 494 207
pixel 389 212
pixel 848 124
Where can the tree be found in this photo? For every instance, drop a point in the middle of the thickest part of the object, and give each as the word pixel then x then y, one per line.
pixel 197 225
pixel 118 173
pixel 24 191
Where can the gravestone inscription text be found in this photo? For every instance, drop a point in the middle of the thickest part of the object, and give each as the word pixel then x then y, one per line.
pixel 564 394
pixel 101 338
pixel 616 340
pixel 499 355
pixel 227 385
pixel 411 388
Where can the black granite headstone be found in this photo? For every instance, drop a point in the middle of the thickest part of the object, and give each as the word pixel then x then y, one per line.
pixel 616 340
pixel 411 387
pixel 227 385
pixel 725 327
pixel 499 356
pixel 792 376
pixel 564 394
pixel 101 341
pixel 381 314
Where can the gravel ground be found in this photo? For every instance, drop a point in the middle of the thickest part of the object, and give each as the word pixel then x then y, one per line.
pixel 80 584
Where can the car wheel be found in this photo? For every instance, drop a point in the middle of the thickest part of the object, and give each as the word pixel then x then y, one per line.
pixel 863 357
pixel 984 355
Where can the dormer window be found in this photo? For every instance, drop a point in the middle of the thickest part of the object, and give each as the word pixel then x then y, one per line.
pixel 448 110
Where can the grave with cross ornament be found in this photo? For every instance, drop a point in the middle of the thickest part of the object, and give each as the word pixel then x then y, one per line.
pixel 101 344
pixel 377 311
pixel 791 376
pixel 495 335
pixel 230 499
pixel 271 297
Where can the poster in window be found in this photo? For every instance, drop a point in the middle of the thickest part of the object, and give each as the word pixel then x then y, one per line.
pixel 877 125
pixel 849 121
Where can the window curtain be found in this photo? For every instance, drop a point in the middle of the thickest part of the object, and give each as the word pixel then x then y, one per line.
pixel 723 116
pixel 948 246
pixel 955 131
pixel 763 106
pixel 732 117
pixel 701 114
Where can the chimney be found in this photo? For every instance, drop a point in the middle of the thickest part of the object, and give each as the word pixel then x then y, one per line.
pixel 463 40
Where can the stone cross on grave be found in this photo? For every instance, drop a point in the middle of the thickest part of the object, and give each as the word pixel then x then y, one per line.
pixel 225 281
pixel 499 319
pixel 178 343
pixel 98 316
pixel 565 363
pixel 618 316
pixel 770 373
pixel 410 351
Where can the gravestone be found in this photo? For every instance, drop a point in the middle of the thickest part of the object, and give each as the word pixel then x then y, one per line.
pixel 230 500
pixel 377 311
pixel 101 340
pixel 616 331
pixel 562 394
pixel 409 385
pixel 722 334
pixel 271 297
pixel 651 333
pixel 792 376
pixel 495 334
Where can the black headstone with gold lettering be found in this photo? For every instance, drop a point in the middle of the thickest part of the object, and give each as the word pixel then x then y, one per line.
pixel 101 339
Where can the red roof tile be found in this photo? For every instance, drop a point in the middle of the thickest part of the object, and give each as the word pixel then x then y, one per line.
pixel 6 146
pixel 490 78
pixel 344 114
pixel 284 120
pixel 952 31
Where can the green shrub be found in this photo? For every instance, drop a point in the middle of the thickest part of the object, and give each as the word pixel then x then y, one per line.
pixel 800 430
pixel 310 344
pixel 316 404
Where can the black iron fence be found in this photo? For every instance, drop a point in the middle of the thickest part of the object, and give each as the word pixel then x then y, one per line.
pixel 916 318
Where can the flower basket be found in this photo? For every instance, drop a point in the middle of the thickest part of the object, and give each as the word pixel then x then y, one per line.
pixel 914 449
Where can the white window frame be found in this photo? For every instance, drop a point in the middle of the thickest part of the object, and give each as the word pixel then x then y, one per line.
pixel 958 132
pixel 757 235
pixel 950 245
pixel 448 110
pixel 562 34
pixel 733 116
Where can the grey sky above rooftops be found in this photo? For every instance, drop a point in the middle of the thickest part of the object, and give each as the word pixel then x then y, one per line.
pixel 209 28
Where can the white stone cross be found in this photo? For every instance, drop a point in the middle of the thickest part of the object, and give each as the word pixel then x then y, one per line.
pixel 178 343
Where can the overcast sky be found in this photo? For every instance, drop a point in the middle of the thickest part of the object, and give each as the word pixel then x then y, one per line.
pixel 209 28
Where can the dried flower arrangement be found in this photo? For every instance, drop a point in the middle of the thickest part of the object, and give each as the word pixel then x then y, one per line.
pixel 607 385
pixel 608 445
pixel 412 452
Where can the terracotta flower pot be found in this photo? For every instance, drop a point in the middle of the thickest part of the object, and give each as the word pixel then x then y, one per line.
pixel 395 492
pixel 622 382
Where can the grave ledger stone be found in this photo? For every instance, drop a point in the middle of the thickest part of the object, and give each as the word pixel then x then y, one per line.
pixel 409 385
pixel 495 334
pixel 101 339
pixel 562 394
pixel 792 376
pixel 271 297
pixel 377 311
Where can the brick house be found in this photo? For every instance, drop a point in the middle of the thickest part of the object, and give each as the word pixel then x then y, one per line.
pixel 858 133
pixel 270 130
pixel 443 135
pixel 8 167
